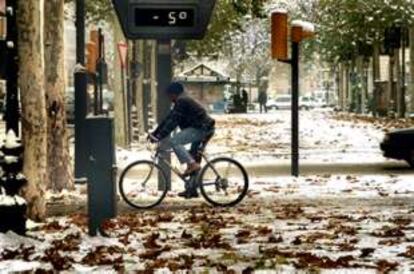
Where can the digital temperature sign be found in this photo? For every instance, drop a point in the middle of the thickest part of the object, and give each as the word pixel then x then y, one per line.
pixel 164 19
pixel 168 17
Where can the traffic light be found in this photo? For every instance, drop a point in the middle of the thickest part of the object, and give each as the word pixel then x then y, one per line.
pixel 280 35
pixel 302 30
pixel 91 57
pixel 92 51
pixel 296 33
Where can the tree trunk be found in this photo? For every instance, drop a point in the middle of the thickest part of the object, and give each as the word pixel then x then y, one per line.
pixel 340 85
pixel 119 102
pixel 348 87
pixel 398 89
pixel 34 119
pixel 59 166
pixel 360 96
pixel 376 71
pixel 390 90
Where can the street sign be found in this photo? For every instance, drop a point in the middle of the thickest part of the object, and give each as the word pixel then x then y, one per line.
pixel 164 19
pixel 123 53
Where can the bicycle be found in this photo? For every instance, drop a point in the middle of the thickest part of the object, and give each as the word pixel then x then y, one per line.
pixel 223 182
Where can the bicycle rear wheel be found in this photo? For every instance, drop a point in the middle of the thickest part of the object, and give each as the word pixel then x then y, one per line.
pixel 223 182
pixel 143 185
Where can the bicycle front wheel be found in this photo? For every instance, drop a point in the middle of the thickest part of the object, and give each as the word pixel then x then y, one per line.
pixel 223 182
pixel 143 185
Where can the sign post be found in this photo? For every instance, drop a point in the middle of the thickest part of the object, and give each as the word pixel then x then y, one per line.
pixel 164 75
pixel 81 86
pixel 123 57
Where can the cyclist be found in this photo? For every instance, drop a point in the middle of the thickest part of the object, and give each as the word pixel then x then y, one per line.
pixel 195 125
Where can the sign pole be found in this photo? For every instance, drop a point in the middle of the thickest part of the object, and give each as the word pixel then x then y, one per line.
pixel 123 56
pixel 100 74
pixel 129 103
pixel 81 86
pixel 164 76
pixel 295 109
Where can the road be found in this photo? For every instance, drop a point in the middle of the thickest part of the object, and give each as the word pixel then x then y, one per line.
pixel 327 145
pixel 284 168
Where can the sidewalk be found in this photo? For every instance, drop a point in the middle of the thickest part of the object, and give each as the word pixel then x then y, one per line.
pixel 360 235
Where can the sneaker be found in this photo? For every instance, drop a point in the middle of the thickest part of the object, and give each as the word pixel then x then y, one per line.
pixel 188 195
pixel 192 169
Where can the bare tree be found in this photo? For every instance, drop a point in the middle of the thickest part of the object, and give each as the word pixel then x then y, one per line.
pixel 59 168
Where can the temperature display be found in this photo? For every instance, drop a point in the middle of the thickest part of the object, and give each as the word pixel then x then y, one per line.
pixel 164 17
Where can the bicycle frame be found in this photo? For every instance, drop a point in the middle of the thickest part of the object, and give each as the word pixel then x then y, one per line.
pixel 158 156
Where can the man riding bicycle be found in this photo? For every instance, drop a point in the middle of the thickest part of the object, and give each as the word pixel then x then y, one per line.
pixel 195 124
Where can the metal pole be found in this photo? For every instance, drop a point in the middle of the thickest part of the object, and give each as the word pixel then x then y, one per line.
pixel 129 106
pixel 12 69
pixel 164 75
pixel 80 32
pixel 100 70
pixel 295 109
pixel 148 59
pixel 95 93
pixel 81 87
pixel 125 98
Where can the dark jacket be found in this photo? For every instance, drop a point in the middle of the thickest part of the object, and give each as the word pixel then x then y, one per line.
pixel 263 97
pixel 187 113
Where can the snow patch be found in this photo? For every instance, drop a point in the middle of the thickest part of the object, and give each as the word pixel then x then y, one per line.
pixel 11 140
pixel 280 11
pixel 306 26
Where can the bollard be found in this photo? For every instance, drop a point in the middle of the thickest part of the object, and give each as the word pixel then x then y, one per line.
pixel 101 172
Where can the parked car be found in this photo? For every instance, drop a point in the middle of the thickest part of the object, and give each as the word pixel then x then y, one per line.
pixel 281 102
pixel 399 144
pixel 306 103
pixel 285 102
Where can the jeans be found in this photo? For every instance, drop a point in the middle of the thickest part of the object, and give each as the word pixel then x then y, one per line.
pixel 263 107
pixel 191 136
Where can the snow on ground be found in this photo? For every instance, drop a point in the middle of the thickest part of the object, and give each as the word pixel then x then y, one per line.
pixel 324 137
pixel 323 223
pixel 275 231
